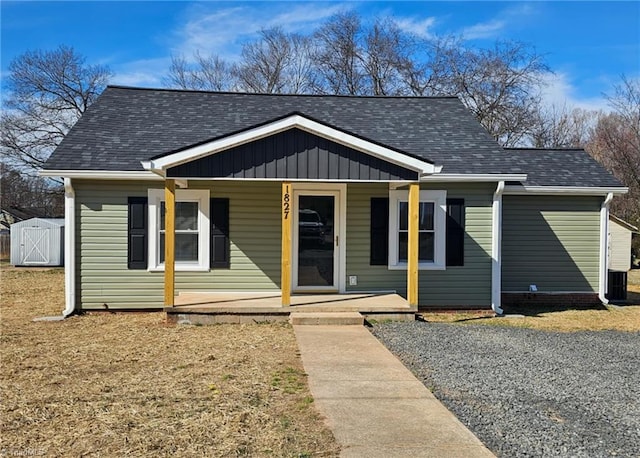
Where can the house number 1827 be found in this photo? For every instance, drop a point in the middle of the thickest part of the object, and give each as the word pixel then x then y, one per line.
pixel 286 202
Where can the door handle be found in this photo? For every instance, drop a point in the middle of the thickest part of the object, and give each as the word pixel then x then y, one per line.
pixel 336 240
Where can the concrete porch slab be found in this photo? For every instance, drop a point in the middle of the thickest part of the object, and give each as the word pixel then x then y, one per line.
pixel 230 301
pixel 238 307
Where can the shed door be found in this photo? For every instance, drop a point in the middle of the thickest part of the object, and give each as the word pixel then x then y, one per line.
pixel 34 245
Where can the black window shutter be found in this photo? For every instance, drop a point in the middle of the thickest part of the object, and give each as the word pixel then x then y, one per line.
pixel 455 232
pixel 379 249
pixel 137 233
pixel 220 245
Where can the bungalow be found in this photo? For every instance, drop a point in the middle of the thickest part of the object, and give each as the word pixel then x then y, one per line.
pixel 172 192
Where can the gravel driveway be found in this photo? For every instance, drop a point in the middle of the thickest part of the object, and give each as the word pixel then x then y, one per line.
pixel 526 392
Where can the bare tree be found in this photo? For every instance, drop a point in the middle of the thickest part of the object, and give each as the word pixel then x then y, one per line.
pixel 615 143
pixel 206 73
pixel 302 74
pixel 356 59
pixel 276 63
pixel 427 72
pixel 338 55
pixel 30 192
pixel 385 56
pixel 562 128
pixel 499 85
pixel 47 92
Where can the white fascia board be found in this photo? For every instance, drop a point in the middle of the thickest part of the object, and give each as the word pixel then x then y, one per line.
pixel 293 121
pixel 563 190
pixel 101 174
pixel 474 177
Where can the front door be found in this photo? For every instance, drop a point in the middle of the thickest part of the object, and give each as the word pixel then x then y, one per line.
pixel 315 240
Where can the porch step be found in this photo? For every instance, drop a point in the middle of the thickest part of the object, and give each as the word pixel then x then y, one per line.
pixel 326 318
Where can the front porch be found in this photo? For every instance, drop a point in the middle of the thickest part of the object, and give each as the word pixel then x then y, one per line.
pixel 314 164
pixel 238 307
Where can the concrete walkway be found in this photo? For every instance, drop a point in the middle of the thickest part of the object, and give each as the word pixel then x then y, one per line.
pixel 373 404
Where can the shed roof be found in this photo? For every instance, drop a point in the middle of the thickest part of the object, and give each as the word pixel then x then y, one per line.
pixel 20 214
pixel 50 222
pixel 630 227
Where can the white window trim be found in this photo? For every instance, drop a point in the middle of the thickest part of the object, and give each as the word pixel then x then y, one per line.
pixel 439 199
pixel 156 197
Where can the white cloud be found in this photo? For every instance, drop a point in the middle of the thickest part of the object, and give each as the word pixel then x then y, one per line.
pixel 222 31
pixel 137 79
pixel 141 73
pixel 212 32
pixel 304 17
pixel 419 27
pixel 212 29
pixel 559 92
pixel 483 30
pixel 513 15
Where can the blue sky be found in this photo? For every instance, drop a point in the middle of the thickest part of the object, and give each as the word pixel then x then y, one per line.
pixel 588 45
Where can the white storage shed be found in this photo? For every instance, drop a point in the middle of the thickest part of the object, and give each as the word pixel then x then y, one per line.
pixel 620 233
pixel 38 242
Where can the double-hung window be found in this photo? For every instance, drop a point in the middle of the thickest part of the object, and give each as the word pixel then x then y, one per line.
pixel 431 229
pixel 191 229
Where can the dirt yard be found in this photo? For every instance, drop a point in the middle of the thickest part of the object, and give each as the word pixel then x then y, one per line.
pixel 559 318
pixel 128 384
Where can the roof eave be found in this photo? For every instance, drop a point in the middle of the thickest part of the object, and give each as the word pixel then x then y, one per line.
pixel 515 190
pixel 474 177
pixel 100 174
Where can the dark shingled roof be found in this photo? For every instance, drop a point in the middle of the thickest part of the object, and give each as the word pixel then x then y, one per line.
pixel 561 167
pixel 128 125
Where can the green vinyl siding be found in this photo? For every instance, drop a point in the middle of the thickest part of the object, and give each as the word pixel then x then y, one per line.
pixel 463 286
pixel 552 242
pixel 255 233
pixel 101 255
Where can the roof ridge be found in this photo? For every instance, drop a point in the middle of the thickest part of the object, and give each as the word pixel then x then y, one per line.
pixel 202 91
pixel 543 149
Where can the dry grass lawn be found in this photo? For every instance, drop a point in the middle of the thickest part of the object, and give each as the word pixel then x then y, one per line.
pixel 128 384
pixel 560 318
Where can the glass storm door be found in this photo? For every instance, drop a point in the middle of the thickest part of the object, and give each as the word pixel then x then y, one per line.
pixel 315 241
